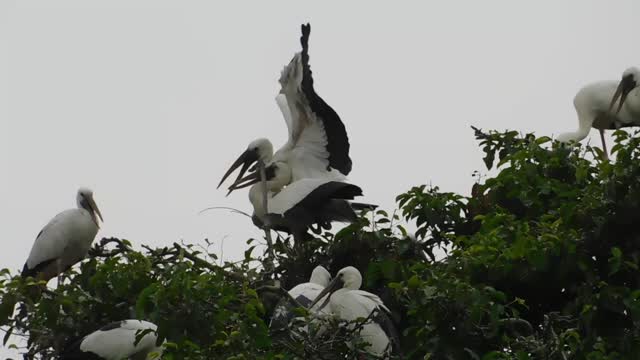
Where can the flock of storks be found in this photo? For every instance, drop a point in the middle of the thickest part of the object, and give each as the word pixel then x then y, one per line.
pixel 300 187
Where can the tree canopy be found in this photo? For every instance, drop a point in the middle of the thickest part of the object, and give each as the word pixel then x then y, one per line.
pixel 541 261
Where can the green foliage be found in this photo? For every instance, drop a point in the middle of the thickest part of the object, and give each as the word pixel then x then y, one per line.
pixel 541 261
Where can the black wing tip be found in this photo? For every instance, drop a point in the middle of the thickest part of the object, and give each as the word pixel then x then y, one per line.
pixel 306 31
pixel 26 272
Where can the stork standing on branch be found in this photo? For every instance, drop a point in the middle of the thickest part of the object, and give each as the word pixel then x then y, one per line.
pixel 594 104
pixel 65 240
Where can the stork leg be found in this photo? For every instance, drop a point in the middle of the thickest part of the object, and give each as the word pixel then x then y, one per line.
pixel 604 145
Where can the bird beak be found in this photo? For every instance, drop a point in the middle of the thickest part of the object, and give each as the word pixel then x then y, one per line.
pixel 245 159
pixel 252 178
pixel 334 285
pixel 93 205
pixel 624 88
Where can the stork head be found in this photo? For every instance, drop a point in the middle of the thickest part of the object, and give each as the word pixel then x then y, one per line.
pixel 277 176
pixel 630 80
pixel 84 199
pixel 347 278
pixel 320 276
pixel 258 150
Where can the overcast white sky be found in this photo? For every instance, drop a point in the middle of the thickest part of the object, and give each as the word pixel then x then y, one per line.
pixel 149 102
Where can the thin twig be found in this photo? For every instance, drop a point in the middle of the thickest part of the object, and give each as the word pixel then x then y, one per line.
pixel 224 208
pixel 196 260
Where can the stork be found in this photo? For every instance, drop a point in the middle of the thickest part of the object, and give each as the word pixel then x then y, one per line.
pixel 117 341
pixel 304 294
pixel 302 203
pixel 594 104
pixel 65 240
pixel 349 303
pixel 317 145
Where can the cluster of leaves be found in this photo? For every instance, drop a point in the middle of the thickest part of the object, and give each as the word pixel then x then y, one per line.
pixel 540 262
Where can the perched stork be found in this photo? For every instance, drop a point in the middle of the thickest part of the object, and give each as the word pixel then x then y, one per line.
pixel 65 240
pixel 318 146
pixel 594 104
pixel 117 341
pixel 304 294
pixel 302 203
pixel 349 303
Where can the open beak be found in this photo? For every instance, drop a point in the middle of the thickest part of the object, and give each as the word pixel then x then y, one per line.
pixel 252 178
pixel 334 285
pixel 246 159
pixel 624 88
pixel 93 205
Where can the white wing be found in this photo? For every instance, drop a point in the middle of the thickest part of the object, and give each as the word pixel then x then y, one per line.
pixel 293 194
pixel 354 304
pixel 310 291
pixel 118 342
pixel 318 145
pixel 68 237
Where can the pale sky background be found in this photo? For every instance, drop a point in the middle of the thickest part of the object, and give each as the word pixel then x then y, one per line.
pixel 149 102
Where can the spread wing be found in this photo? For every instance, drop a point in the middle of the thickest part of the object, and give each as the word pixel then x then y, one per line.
pixel 318 141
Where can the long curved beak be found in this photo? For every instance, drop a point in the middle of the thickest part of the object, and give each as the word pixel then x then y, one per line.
pixel 334 285
pixel 94 206
pixel 624 88
pixel 245 159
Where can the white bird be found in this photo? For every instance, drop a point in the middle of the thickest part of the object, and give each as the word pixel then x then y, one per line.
pixel 302 203
pixel 349 303
pixel 304 294
pixel 317 146
pixel 595 101
pixel 117 341
pixel 65 240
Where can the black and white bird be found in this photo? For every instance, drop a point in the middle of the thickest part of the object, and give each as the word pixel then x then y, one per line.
pixel 117 341
pixel 317 145
pixel 349 303
pixel 296 207
pixel 65 240
pixel 304 294
pixel 594 104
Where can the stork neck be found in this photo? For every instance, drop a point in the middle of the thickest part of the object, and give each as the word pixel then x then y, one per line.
pixel 255 197
pixel 632 105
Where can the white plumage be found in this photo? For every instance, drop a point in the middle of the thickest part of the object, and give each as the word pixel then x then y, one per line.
pixel 304 294
pixel 280 201
pixel 317 144
pixel 594 104
pixel 116 341
pixel 349 303
pixel 65 240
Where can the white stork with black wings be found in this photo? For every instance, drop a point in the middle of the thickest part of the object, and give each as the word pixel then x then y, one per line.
pixel 317 146
pixel 65 240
